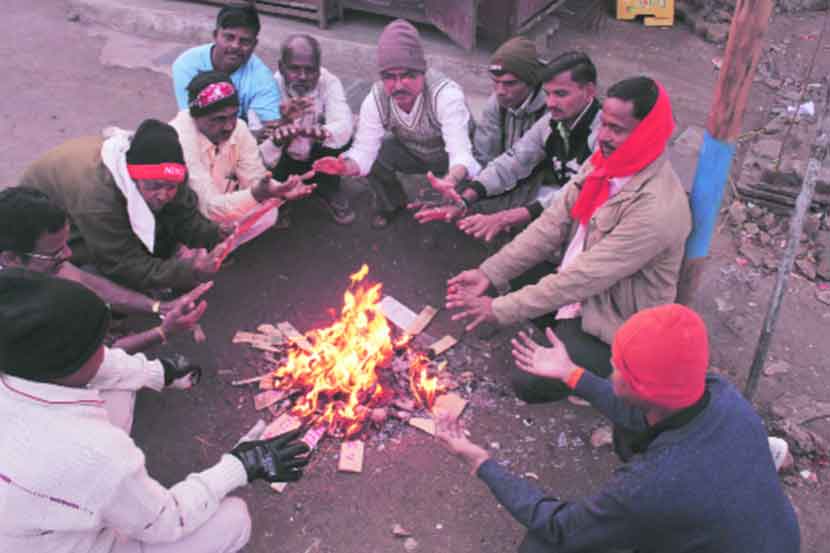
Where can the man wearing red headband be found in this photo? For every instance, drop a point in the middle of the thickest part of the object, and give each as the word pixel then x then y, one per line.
pixel 131 212
pixel 703 479
pixel 223 159
pixel 621 223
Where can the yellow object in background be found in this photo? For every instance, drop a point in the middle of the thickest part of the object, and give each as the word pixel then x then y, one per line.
pixel 658 12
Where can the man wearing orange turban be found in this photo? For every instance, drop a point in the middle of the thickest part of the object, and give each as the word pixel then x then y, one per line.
pixel 702 480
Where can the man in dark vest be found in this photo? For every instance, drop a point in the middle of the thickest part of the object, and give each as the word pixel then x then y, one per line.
pixel 426 117
pixel 504 196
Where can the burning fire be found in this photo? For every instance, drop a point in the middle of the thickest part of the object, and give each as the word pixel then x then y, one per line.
pixel 339 379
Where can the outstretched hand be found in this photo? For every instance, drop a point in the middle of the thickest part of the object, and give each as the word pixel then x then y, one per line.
pixel 484 227
pixel 427 214
pixel 465 292
pixel 451 432
pixel 552 362
pixel 186 312
pixel 340 165
pixel 445 187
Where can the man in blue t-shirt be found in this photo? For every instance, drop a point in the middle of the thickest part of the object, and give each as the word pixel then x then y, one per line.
pixel 232 52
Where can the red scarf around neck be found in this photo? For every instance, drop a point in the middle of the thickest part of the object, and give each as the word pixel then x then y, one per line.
pixel 645 144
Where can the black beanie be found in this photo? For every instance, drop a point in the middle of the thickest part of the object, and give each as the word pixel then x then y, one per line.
pixel 155 142
pixel 49 326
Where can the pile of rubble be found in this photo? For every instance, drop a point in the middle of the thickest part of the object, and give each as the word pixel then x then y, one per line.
pixel 710 19
pixel 762 237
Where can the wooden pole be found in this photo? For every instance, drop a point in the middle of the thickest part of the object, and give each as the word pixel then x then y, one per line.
pixel 746 39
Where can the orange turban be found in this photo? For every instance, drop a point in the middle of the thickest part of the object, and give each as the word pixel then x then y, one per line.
pixel 663 354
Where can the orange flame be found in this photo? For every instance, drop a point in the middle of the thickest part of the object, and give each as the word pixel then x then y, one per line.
pixel 338 378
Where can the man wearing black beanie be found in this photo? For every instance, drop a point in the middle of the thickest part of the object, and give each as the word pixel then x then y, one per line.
pixel 131 211
pixel 72 479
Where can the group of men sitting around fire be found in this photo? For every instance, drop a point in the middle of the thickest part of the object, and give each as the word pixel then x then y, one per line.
pixel 579 190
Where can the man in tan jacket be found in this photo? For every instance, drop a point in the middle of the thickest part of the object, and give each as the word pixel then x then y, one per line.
pixel 622 222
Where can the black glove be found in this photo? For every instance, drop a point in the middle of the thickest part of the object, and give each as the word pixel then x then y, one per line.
pixel 274 460
pixel 179 372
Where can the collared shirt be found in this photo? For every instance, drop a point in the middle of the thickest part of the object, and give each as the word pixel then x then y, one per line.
pixel 577 246
pixel 71 481
pixel 452 114
pixel 222 176
pixel 253 81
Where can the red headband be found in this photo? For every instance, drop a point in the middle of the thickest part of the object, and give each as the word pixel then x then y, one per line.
pixel 168 172
pixel 212 93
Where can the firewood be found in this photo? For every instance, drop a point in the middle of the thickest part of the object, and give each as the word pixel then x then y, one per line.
pixel 402 415
pixel 270 330
pixel 351 456
pixel 266 384
pixel 294 336
pixel 282 424
pixel 424 318
pixel 378 415
pixel 313 436
pixel 425 425
pixel 251 380
pixel 451 404
pixel 279 487
pixel 404 403
pixel 442 345
pixel 265 399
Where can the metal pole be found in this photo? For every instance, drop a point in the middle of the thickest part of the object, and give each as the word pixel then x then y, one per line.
pixel 802 204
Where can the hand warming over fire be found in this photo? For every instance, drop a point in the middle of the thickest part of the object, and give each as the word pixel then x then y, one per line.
pixel 466 292
pixel 279 459
pixel 552 362
pixel 450 431
pixel 340 165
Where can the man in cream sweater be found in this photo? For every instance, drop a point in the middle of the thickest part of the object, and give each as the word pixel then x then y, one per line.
pixel 71 479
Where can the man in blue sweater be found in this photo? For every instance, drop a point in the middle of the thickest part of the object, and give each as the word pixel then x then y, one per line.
pixel 702 478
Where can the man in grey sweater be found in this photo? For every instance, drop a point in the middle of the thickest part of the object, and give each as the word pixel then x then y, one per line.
pixel 702 478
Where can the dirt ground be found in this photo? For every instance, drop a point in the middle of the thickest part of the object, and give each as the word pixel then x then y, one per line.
pixel 56 87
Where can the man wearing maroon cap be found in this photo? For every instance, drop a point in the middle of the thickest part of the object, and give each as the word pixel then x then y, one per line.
pixel 426 116
pixel 702 479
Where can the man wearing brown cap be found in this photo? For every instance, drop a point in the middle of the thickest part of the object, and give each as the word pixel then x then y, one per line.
pixel 515 187
pixel 131 212
pixel 516 103
pixel 426 115
pixel 71 478
pixel 702 479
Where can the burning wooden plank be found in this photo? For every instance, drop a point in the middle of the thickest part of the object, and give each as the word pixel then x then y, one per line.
pixel 351 456
pixel 266 399
pixel 294 336
pixel 452 404
pixel 422 321
pixel 280 425
pixel 442 345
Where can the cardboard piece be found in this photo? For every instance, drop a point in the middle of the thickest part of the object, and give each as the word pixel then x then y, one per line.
pixel 452 404
pixel 280 425
pixel 442 345
pixel 424 318
pixel 425 425
pixel 351 457
pixel 266 399
pixel 293 335
pixel 396 312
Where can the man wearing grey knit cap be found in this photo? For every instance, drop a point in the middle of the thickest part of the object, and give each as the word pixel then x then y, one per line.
pixel 425 115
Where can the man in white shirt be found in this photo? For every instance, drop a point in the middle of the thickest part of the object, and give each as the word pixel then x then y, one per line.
pixel 425 115
pixel 317 122
pixel 71 478
pixel 222 156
